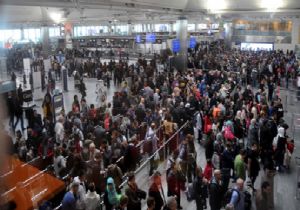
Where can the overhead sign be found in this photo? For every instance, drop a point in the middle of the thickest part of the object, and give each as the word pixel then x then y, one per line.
pixel 176 45
pixel 150 38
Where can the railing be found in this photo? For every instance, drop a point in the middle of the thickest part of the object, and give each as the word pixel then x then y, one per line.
pixel 147 161
pixel 120 159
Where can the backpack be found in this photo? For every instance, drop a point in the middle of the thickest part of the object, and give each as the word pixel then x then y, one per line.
pixel 190 193
pixel 248 200
pixel 228 133
pixel 228 195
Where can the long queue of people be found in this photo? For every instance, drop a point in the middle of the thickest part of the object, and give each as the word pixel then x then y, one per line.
pixel 241 129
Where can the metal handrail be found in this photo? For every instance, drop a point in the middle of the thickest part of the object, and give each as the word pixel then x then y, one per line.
pixel 143 141
pixel 149 158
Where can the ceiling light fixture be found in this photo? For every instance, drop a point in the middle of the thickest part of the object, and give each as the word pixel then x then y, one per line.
pixel 215 6
pixel 56 17
pixel 271 5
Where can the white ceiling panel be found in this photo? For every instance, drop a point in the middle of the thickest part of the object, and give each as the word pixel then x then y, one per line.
pixel 23 11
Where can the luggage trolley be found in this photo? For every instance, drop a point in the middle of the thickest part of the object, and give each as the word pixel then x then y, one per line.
pixel 298 178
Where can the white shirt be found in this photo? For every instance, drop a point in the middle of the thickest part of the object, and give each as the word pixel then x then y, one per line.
pixel 59 132
pixel 80 203
pixel 92 200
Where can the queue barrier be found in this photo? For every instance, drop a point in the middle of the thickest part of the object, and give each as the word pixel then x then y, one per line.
pixel 160 151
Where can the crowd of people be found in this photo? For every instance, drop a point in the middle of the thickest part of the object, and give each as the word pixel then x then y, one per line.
pixel 226 101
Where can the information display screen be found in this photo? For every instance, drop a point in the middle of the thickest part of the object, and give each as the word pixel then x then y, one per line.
pixel 138 39
pixel 176 45
pixel 150 38
pixel 257 46
pixel 193 42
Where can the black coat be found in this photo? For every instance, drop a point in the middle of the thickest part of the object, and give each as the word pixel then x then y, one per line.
pixel 215 195
pixel 154 193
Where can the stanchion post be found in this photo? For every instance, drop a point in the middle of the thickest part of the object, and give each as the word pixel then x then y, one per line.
pixel 286 104
pixel 291 97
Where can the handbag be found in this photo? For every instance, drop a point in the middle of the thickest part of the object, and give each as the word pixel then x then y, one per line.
pixel 141 194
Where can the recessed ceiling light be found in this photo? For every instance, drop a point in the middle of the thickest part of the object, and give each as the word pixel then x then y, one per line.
pixel 271 5
pixel 215 6
pixel 56 17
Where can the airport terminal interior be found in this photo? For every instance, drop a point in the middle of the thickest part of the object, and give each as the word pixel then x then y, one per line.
pixel 149 104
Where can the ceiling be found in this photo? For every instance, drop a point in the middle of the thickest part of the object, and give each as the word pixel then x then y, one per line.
pixel 30 12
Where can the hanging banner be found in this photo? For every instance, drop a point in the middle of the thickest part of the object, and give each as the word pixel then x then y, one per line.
pixel 69 35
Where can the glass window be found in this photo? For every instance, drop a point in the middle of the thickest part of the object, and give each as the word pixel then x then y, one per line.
pixel 191 27
pixel 202 26
pixel 33 34
pixel 10 35
pixel 138 28
pixel 54 32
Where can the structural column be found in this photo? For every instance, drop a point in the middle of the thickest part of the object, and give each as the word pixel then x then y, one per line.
pixel 295 31
pixel 171 25
pixel 228 27
pixel 46 41
pixel 129 29
pixel 182 35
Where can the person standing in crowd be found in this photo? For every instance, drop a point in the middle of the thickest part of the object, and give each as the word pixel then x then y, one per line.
pixel 70 198
pixel 47 106
pixel 253 163
pixel 111 197
pixel 238 197
pixel 82 89
pixel 92 199
pixel 20 94
pixel 227 164
pixel 59 131
pixel 216 191
pixel 134 194
pixel 261 196
pixel 174 184
pixel 239 165
pixel 200 189
pixel 76 105
pixel 280 143
pixel 80 204
pixel 155 191
pixel 94 172
pixel 152 138
pixel 59 162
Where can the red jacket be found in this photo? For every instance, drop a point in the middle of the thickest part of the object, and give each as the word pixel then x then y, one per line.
pixel 208 171
pixel 173 183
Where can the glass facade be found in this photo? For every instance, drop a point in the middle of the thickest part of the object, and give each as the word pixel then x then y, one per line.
pixel 54 32
pixel 32 34
pixel 11 35
pixel 89 30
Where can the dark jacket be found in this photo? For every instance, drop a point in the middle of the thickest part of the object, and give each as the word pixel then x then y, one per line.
pixel 155 193
pixel 134 201
pixel 200 188
pixel 215 195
